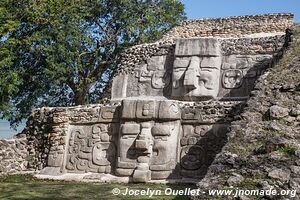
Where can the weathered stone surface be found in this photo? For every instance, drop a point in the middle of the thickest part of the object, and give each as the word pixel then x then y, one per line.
pixel 195 77
pixel 295 111
pixel 295 170
pixel 197 47
pixel 172 107
pixel 277 112
pixel 169 110
pixel 280 174
pixel 119 88
pixel 234 180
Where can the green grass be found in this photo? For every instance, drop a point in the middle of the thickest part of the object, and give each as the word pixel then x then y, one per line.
pixel 21 187
pixel 288 150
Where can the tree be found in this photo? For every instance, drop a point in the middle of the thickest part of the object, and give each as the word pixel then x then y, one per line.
pixel 62 53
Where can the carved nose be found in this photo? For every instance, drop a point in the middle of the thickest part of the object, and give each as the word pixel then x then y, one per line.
pixel 191 75
pixel 141 145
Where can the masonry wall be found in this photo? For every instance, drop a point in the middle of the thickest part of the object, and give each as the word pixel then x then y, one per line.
pixel 258 34
pixel 98 138
pixel 232 26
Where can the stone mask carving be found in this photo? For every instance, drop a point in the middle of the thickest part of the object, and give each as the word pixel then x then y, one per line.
pixel 196 78
pixel 196 73
pixel 148 139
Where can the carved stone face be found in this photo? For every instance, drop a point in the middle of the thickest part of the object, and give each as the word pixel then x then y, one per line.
pixel 147 139
pixel 196 77
pixel 196 69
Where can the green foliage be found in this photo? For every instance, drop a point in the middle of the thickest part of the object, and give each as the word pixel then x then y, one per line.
pixel 290 150
pixel 61 53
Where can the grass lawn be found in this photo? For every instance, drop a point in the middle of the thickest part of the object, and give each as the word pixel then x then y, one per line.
pixel 26 187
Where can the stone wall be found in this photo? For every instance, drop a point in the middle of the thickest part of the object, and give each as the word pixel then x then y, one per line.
pixel 14 154
pixel 242 58
pixel 98 139
pixel 172 105
pixel 30 150
pixel 232 26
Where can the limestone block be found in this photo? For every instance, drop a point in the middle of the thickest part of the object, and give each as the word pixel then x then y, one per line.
pixel 132 84
pixel 105 137
pixel 232 78
pixel 126 165
pixel 191 114
pixel 165 144
pixel 211 62
pixel 144 74
pixel 124 172
pixel 119 86
pixel 109 114
pixel 163 167
pixel 197 46
pixel 160 175
pixel 107 169
pixel 143 159
pixel 144 140
pixel 99 169
pixel 141 176
pixel 156 63
pixel 130 129
pixel 126 148
pixel 127 151
pixel 82 165
pixel 181 62
pixel 169 110
pixel 50 171
pixel 177 81
pixel 146 109
pixel 128 109
pixel 161 130
pixel 188 130
pixel 55 159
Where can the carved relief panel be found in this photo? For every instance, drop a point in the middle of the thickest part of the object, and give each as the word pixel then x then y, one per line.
pixel 199 146
pixel 91 148
pixel 151 78
pixel 239 74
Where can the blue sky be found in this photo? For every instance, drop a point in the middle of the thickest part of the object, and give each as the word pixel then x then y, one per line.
pixel 224 8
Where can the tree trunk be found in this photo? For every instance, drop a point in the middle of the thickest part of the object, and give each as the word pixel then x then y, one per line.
pixel 80 96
